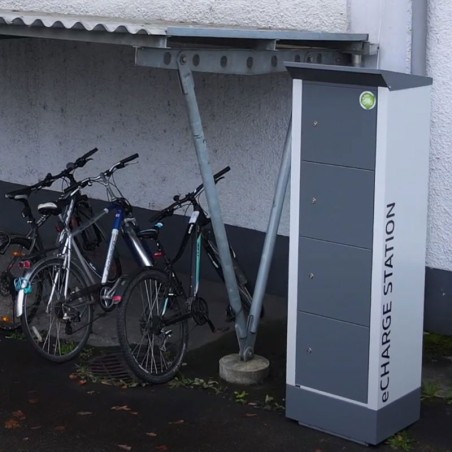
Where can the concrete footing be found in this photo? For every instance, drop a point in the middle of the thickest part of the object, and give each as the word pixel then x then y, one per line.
pixel 234 370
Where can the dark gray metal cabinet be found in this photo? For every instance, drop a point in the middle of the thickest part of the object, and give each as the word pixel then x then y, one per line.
pixel 336 202
pixel 357 249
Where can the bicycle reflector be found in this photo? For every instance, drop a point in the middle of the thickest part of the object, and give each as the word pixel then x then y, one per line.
pixel 6 319
pixel 25 264
pixel 117 299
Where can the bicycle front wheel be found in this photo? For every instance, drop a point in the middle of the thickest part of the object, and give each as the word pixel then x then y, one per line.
pixel 17 248
pixel 153 346
pixel 57 329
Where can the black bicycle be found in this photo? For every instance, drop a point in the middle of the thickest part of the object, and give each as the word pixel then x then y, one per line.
pixel 19 252
pixel 155 307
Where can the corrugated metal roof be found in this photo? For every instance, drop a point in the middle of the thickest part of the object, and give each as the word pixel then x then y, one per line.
pixel 156 34
pixel 87 23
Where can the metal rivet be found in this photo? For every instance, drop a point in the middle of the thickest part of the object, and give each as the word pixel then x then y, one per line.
pixel 183 59
pixel 311 275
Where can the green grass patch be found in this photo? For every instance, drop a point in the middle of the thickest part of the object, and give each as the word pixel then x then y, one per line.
pixel 437 345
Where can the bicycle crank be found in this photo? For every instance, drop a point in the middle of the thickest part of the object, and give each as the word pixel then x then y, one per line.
pixel 200 312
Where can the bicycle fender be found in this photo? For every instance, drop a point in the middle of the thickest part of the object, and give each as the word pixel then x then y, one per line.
pixel 122 285
pixel 22 285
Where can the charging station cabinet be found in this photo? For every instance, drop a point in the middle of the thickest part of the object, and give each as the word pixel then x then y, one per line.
pixel 358 215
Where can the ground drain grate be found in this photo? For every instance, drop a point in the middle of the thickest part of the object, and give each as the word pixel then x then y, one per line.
pixel 111 367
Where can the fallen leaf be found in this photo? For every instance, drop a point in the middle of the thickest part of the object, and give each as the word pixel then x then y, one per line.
pixel 60 428
pixel 180 421
pixel 19 414
pixel 12 423
pixel 73 376
pixel 152 434
pixel 33 401
pixel 82 382
pixel 250 414
pixel 84 413
pixel 25 439
pixel 124 447
pixel 121 408
pixel 133 412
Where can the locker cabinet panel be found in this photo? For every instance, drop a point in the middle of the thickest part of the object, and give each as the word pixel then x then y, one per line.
pixel 335 280
pixel 332 356
pixel 335 128
pixel 336 204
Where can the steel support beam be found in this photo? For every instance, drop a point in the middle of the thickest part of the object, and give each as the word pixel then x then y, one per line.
pixel 188 89
pixel 236 61
pixel 269 246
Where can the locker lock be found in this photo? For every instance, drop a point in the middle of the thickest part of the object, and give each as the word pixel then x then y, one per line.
pixel 314 200
pixel 309 350
pixel 315 123
pixel 311 275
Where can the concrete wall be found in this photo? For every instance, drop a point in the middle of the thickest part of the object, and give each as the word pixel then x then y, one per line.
pixel 60 99
pixel 326 15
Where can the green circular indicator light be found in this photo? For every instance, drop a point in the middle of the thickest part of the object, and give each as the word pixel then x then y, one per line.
pixel 367 100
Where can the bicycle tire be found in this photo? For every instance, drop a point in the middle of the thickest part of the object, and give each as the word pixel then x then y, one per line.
pixel 9 270
pixel 153 356
pixel 57 330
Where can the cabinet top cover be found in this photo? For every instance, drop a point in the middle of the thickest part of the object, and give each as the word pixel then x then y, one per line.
pixel 356 76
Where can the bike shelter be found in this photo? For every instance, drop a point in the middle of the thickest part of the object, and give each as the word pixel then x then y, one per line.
pixel 221 50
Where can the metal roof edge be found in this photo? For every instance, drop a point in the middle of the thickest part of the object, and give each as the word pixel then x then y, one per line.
pixel 356 76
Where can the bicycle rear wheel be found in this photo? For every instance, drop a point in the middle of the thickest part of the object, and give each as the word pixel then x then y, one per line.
pixel 56 328
pixel 11 254
pixel 153 349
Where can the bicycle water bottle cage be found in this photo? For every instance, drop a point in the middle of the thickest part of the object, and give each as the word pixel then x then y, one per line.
pixel 4 241
pixel 22 284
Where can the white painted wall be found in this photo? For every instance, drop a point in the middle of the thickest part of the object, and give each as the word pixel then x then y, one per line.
pixel 439 66
pixel 388 23
pixel 299 14
pixel 61 99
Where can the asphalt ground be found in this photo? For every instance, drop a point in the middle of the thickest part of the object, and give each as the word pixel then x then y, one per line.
pixel 61 407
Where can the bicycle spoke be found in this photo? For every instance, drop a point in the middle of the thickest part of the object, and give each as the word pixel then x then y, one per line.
pixel 153 351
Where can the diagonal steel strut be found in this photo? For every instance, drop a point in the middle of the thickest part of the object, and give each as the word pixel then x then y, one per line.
pixel 188 89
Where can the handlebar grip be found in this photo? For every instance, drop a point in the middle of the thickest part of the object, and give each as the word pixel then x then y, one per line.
pixel 81 161
pixel 89 153
pixel 216 178
pixel 129 159
pixel 222 172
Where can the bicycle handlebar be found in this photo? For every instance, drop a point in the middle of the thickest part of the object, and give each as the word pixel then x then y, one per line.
pixel 102 176
pixel 168 211
pixel 50 179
